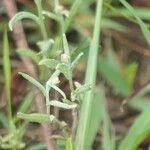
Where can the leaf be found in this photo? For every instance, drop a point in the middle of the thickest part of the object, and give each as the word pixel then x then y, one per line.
pixel 60 144
pixel 34 82
pixel 25 105
pixel 130 71
pixel 139 103
pixel 109 23
pixel 82 48
pixel 72 13
pixel 86 109
pixel 7 74
pixel 66 46
pixel 108 136
pixel 143 27
pixel 4 120
pixel 45 45
pixel 37 146
pixel 111 71
pixel 69 144
pixel 76 61
pixel 50 63
pixel 143 13
pixel 137 132
pixel 29 53
pixel 56 103
pixel 64 68
pixel 34 117
pixel 96 117
pixel 51 15
pixel 59 90
pixel 23 15
pixel 83 88
pixel 80 90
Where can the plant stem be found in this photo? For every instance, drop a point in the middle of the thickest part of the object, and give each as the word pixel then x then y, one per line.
pixel 42 25
pixel 84 120
pixel 55 74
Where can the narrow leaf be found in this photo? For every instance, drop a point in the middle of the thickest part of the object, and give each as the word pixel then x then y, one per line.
pixel 75 62
pixel 143 27
pixel 34 82
pixel 50 63
pixel 137 132
pixel 7 74
pixel 64 68
pixel 51 15
pixel 59 90
pixel 26 103
pixel 23 15
pixel 113 76
pixel 29 53
pixel 69 144
pixel 85 113
pixel 34 117
pixel 56 103
pixel 45 45
pixel 109 23
pixel 96 116
pixel 65 44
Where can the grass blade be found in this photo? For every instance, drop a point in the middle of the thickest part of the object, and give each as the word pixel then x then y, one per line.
pixel 7 74
pixel 138 132
pixel 113 76
pixel 143 27
pixel 108 136
pixel 140 128
pixel 96 117
pixel 84 120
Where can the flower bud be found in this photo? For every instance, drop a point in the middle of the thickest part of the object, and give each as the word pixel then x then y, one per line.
pixel 65 58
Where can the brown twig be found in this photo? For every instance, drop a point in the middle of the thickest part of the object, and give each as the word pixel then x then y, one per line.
pixel 21 42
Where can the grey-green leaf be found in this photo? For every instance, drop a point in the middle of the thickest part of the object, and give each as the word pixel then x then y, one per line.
pixel 64 68
pixel 29 53
pixel 45 45
pixel 34 82
pixel 34 117
pixel 51 15
pixel 59 104
pixel 23 15
pixel 75 62
pixel 50 63
pixel 65 44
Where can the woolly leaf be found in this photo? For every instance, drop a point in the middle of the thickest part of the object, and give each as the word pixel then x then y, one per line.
pixel 34 82
pixel 23 15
